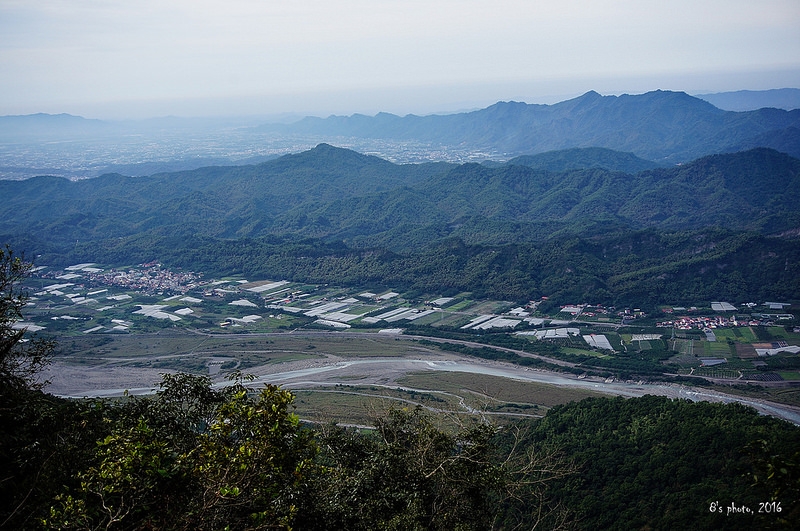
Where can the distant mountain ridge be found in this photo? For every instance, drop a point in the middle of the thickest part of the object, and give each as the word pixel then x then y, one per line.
pixel 666 127
pixel 584 158
pixel 50 126
pixel 660 126
pixel 749 100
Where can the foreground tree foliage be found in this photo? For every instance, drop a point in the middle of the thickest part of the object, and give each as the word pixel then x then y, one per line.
pixel 37 445
pixel 195 458
pixel 411 474
pixel 656 463
pixel 21 358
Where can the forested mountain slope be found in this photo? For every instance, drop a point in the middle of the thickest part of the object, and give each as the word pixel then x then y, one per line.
pixel 225 201
pixel 723 226
pixel 584 158
pixel 336 193
pixel 654 463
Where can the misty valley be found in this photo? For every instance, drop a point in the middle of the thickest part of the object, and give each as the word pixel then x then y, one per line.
pixel 98 308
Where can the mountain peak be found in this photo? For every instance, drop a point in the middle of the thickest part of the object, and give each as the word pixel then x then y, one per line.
pixel 326 152
pixel 592 94
pixel 324 147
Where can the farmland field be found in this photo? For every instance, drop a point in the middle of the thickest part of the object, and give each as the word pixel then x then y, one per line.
pixel 716 349
pixel 713 372
pixel 586 352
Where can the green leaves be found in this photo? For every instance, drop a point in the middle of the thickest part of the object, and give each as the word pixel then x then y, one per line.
pixel 410 473
pixel 20 361
pixel 253 466
pixel 193 458
pixel 649 462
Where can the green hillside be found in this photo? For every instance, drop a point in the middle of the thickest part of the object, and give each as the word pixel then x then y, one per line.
pixel 582 158
pixel 718 227
pixel 334 193
pixel 653 463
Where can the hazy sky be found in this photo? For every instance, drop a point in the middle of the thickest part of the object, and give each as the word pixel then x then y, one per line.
pixel 138 58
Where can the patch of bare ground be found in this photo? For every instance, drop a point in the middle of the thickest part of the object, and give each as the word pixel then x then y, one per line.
pixel 71 380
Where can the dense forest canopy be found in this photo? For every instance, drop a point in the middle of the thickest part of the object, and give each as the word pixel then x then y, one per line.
pixel 335 193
